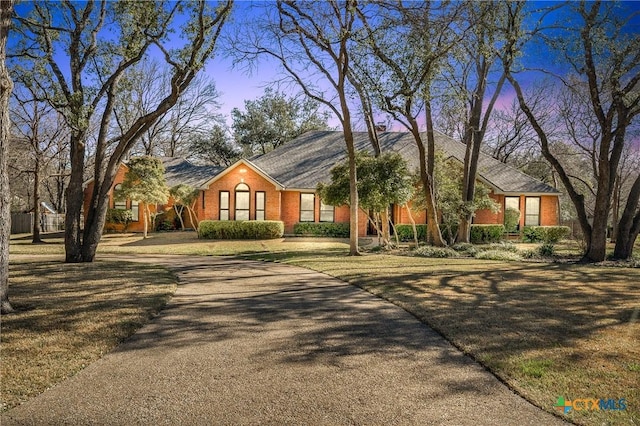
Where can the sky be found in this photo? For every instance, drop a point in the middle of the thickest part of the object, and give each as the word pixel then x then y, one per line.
pixel 236 85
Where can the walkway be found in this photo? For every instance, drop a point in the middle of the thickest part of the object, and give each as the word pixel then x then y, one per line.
pixel 246 342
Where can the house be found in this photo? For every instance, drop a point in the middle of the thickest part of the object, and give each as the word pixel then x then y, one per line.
pixel 280 185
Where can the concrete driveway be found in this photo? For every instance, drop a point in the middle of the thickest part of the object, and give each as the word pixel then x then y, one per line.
pixel 245 342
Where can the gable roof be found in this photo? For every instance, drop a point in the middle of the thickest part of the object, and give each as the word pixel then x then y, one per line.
pixel 307 160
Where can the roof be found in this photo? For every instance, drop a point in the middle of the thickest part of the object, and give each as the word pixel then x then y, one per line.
pixel 249 164
pixel 307 160
pixel 180 171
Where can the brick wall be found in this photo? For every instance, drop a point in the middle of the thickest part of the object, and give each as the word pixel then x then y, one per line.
pixel 240 174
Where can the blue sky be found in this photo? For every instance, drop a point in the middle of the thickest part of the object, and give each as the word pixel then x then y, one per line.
pixel 236 86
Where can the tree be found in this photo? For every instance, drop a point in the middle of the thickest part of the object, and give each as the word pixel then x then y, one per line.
pixel 144 182
pixel 408 45
pixel 604 56
pixel 382 181
pixel 6 86
pixel 470 80
pixel 191 115
pixel 185 196
pixel 89 89
pixel 312 42
pixel 40 126
pixel 449 181
pixel 273 120
pixel 215 147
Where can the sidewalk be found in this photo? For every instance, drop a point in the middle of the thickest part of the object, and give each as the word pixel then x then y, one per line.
pixel 246 342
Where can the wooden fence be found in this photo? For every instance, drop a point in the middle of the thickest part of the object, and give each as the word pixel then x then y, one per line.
pixel 22 223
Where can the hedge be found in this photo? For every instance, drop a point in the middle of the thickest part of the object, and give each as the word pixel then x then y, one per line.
pixel 120 216
pixel 322 229
pixel 545 234
pixel 484 234
pixel 241 230
pixel 405 232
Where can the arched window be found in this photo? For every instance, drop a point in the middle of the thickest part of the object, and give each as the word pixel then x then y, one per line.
pixel 242 202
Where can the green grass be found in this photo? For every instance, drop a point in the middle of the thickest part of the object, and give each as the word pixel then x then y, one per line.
pixel 545 329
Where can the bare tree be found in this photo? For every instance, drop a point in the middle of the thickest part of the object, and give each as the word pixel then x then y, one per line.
pixel 605 59
pixel 312 43
pixel 90 87
pixel 6 86
pixel 38 124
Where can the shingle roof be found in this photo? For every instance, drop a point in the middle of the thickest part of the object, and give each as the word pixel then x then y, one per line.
pixel 307 160
pixel 179 170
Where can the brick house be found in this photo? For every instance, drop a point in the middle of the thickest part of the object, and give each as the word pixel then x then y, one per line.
pixel 280 185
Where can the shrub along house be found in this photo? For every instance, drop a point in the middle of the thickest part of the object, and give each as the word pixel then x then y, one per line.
pixel 280 185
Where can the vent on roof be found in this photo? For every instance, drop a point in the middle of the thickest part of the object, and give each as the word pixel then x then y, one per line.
pixel 381 127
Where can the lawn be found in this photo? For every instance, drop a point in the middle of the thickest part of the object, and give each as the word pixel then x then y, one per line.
pixel 69 315
pixel 545 329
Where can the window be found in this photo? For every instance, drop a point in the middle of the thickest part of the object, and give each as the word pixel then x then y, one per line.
pixel 307 210
pixel 260 203
pixel 532 211
pixel 242 202
pixel 135 211
pixel 118 204
pixel 512 203
pixel 326 212
pixel 202 201
pixel 224 205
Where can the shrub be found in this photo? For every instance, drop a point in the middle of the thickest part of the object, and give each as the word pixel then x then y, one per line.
pixel 322 229
pixel 486 233
pixel 467 248
pixel 545 234
pixel 405 232
pixel 546 249
pixel 240 230
pixel 119 216
pixel 530 254
pixel 511 219
pixel 502 246
pixel 431 251
pixel 165 225
pixel 498 255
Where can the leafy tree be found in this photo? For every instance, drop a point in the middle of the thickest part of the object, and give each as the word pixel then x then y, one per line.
pixel 144 182
pixel 382 181
pixel 215 147
pixel 185 196
pixel 273 120
pixel 6 86
pixel 604 56
pixel 86 90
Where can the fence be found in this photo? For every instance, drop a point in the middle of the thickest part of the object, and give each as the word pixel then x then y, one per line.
pixel 23 223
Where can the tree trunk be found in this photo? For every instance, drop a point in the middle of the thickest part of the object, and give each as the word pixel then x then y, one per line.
pixel 629 224
pixel 6 86
pixel 147 217
pixel 179 214
pixel 413 224
pixel 36 203
pixel 74 198
pixel 435 235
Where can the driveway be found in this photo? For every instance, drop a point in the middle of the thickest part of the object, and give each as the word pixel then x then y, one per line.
pixel 246 342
